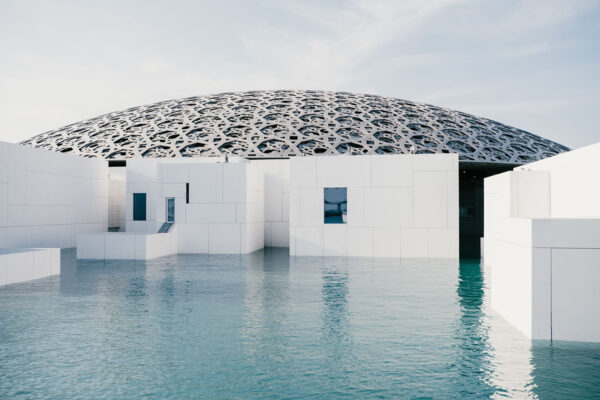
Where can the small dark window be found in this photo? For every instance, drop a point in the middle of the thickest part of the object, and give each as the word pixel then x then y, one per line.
pixel 187 193
pixel 139 206
pixel 335 205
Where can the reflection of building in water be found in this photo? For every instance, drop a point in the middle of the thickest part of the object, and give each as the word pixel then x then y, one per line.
pixel 471 333
pixel 488 344
pixel 557 366
pixel 335 313
pixel 509 352
pixel 267 301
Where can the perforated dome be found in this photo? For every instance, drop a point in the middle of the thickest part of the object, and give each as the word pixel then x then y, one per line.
pixel 273 124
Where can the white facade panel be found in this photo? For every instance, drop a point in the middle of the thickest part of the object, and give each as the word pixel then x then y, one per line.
pixel 385 195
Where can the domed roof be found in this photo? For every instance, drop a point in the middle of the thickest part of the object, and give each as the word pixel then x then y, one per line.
pixel 273 124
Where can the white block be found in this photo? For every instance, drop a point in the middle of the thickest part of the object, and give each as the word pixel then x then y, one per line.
pixel 173 190
pixel 430 199
pixel 206 183
pixel 308 241
pixel 435 162
pixel 180 211
pixel 511 282
pixel 224 238
pixel 140 251
pixel 356 206
pixel 279 234
pixel 192 238
pixel 295 202
pixel 174 173
pixel 541 294
pixel 311 207
pixel 532 194
pixel 575 294
pixel 285 206
pixel 570 233
pixel 386 242
pixel 234 182
pixel 90 246
pixel 413 243
pixel 344 171
pixel 303 172
pixel 252 237
pixel 20 266
pixel 392 170
pixel 211 213
pixel 268 234
pixel 119 247
pixel 388 207
pixel 442 242
pixel 335 240
pixel 360 242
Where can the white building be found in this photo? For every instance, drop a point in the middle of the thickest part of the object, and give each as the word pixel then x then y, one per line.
pixel 46 200
pixel 325 174
pixel 542 245
pixel 390 206
pixel 396 206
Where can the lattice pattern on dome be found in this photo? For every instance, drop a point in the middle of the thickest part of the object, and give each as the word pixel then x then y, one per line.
pixel 264 124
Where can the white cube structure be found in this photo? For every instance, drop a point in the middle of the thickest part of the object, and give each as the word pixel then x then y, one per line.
pixel 542 244
pixel 22 265
pixel 126 245
pixel 218 206
pixel 48 198
pixel 397 206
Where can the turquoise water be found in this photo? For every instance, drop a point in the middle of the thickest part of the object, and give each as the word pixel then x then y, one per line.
pixel 267 326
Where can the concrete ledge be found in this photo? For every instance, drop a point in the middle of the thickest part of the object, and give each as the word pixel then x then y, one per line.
pixel 126 245
pixel 22 265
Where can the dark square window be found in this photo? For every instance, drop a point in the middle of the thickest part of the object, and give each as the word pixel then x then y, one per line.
pixel 139 206
pixel 335 205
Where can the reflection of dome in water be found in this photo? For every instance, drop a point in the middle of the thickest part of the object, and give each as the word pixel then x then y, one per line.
pixel 273 124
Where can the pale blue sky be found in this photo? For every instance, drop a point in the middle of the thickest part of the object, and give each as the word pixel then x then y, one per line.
pixel 531 64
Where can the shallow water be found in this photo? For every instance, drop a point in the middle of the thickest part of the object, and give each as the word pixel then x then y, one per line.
pixel 267 326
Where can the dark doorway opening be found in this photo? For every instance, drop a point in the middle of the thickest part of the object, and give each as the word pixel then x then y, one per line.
pixel 471 176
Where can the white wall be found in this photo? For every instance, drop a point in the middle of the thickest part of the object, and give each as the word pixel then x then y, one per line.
pixel 47 198
pixel 126 245
pixel 574 192
pixel 225 213
pixel 21 265
pixel 542 245
pixel 398 206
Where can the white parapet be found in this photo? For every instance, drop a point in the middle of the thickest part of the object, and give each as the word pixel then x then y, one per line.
pixel 542 246
pixel 126 245
pixel 397 206
pixel 21 265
